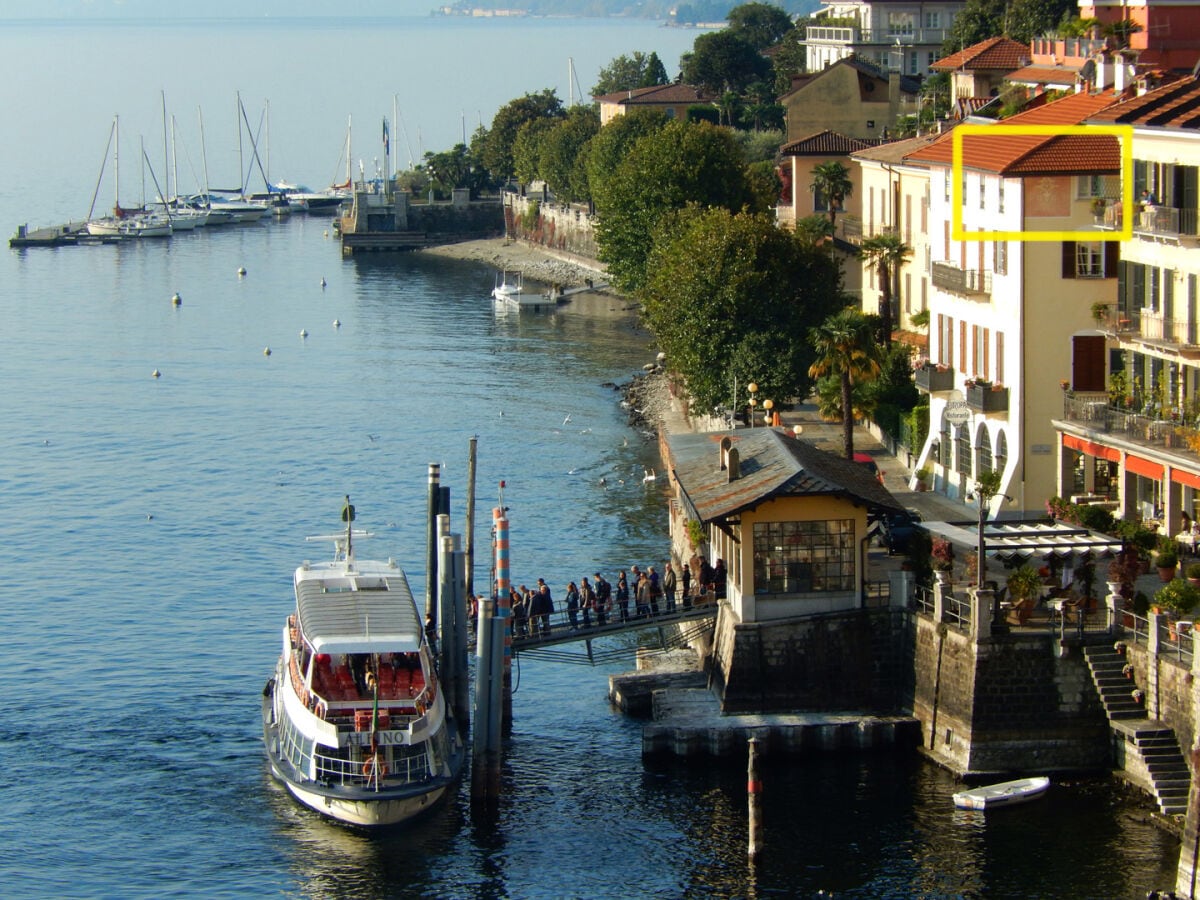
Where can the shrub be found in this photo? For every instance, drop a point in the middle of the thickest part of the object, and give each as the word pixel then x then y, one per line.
pixel 1193 571
pixel 1166 559
pixel 1177 596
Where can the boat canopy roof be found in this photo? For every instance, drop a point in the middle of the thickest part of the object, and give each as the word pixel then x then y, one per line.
pixel 340 616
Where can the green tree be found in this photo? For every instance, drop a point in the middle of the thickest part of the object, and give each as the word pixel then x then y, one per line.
pixel 845 349
pixel 831 180
pixel 613 142
pixel 562 157
pixel 789 58
pixel 761 25
pixel 722 61
pixel 627 73
pixel 664 171
pixel 725 296
pixel 887 252
pixel 764 182
pixel 453 168
pixel 527 148
pixel 496 144
pixel 1028 19
pixel 893 393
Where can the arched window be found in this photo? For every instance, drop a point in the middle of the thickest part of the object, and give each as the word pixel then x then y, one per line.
pixel 1001 451
pixel 983 448
pixel 963 445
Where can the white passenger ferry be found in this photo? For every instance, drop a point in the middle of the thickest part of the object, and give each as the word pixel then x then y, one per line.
pixel 354 722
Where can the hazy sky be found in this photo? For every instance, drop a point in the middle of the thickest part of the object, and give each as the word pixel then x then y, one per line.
pixel 212 9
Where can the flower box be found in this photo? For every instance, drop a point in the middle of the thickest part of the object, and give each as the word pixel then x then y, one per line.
pixel 933 378
pixel 987 397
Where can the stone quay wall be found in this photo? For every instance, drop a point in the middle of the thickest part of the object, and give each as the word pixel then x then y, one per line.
pixel 534 216
pixel 1006 703
pixel 856 660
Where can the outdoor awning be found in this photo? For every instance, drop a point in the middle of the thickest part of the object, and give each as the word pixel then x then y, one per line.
pixel 1020 540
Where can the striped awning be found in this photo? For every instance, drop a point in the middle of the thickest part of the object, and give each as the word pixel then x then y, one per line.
pixel 1021 540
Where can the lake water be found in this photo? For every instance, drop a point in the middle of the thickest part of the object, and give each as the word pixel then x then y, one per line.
pixel 154 523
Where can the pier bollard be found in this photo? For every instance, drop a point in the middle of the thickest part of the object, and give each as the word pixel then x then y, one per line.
pixel 754 796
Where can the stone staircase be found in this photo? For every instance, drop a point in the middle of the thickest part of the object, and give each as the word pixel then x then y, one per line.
pixel 1150 746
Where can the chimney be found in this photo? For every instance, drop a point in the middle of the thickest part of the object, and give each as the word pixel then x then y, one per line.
pixel 723 450
pixel 1120 73
pixel 734 464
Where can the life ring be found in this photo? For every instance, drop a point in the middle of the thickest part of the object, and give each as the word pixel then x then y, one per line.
pixel 374 766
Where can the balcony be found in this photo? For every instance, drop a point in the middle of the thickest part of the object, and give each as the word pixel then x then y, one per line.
pixel 1135 421
pixel 849 229
pixel 1154 326
pixel 1153 221
pixel 932 378
pixel 826 34
pixel 965 282
pixel 985 397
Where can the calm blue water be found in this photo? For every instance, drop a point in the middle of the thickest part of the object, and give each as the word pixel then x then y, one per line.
pixel 152 526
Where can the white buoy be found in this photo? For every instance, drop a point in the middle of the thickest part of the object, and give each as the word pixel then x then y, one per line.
pixel 156 373
pixel 176 299
pixel 337 323
pixel 322 281
pixel 303 332
pixel 241 271
pixel 326 233
pixel 266 351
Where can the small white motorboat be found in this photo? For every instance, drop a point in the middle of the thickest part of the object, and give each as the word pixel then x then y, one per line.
pixel 1006 793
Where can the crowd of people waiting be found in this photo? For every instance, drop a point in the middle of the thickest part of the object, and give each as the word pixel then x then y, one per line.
pixel 636 595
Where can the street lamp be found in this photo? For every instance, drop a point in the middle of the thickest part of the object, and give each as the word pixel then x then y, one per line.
pixel 768 417
pixel 752 387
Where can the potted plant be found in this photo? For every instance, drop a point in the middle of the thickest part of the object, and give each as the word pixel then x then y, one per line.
pixel 1177 597
pixel 1192 572
pixel 1024 588
pixel 943 559
pixel 1138 696
pixel 1127 670
pixel 1166 562
pixel 922 476
pixel 1098 209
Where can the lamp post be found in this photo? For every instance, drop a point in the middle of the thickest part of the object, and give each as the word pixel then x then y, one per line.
pixel 752 387
pixel 768 405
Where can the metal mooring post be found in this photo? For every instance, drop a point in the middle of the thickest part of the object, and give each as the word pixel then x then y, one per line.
pixel 754 796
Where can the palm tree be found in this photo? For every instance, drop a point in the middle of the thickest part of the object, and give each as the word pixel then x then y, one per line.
pixel 831 180
pixel 847 349
pixel 888 253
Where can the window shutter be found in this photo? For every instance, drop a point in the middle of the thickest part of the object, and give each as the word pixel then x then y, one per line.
pixel 1068 259
pixel 1112 256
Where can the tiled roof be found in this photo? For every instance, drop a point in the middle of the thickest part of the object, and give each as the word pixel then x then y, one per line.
pixel 1056 75
pixel 996 54
pixel 1175 105
pixel 895 151
pixel 1035 154
pixel 772 465
pixel 658 95
pixel 825 143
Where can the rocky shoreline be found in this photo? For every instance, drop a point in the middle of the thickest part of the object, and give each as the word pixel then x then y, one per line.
pixel 533 262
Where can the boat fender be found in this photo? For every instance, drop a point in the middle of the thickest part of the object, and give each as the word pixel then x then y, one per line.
pixel 375 766
pixel 269 687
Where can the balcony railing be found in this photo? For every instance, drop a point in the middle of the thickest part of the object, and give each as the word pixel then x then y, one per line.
pixel 1141 423
pixel 1152 325
pixel 934 378
pixel 1156 221
pixel 829 34
pixel 985 397
pixel 848 229
pixel 967 282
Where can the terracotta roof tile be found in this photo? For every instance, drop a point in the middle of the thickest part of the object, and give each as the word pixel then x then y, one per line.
pixel 895 151
pixel 1035 154
pixel 1175 105
pixel 997 53
pixel 824 143
pixel 659 94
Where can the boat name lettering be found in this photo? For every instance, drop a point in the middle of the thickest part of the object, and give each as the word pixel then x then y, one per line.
pixel 363 738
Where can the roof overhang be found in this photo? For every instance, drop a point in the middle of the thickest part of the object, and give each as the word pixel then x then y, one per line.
pixel 1025 540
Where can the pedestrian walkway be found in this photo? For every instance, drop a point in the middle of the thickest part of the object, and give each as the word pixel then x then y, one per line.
pixel 561 631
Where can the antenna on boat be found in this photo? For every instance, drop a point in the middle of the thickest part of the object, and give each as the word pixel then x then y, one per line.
pixel 348 518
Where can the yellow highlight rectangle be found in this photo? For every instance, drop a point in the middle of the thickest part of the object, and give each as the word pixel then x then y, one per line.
pixel 1124 135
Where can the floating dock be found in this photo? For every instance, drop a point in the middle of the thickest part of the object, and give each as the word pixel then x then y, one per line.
pixel 50 236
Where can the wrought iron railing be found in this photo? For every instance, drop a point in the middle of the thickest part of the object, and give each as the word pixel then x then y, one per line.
pixel 968 282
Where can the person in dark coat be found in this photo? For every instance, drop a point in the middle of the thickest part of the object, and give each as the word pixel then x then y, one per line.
pixel 573 606
pixel 543 607
pixel 687 587
pixel 669 586
pixel 622 596
pixel 603 599
pixel 587 601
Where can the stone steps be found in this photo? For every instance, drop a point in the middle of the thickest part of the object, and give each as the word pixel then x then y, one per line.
pixel 1157 746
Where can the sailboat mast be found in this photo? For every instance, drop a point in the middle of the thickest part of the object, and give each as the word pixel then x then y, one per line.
pixel 203 155
pixel 117 167
pixel 395 121
pixel 238 118
pixel 175 158
pixel 166 154
pixel 103 163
